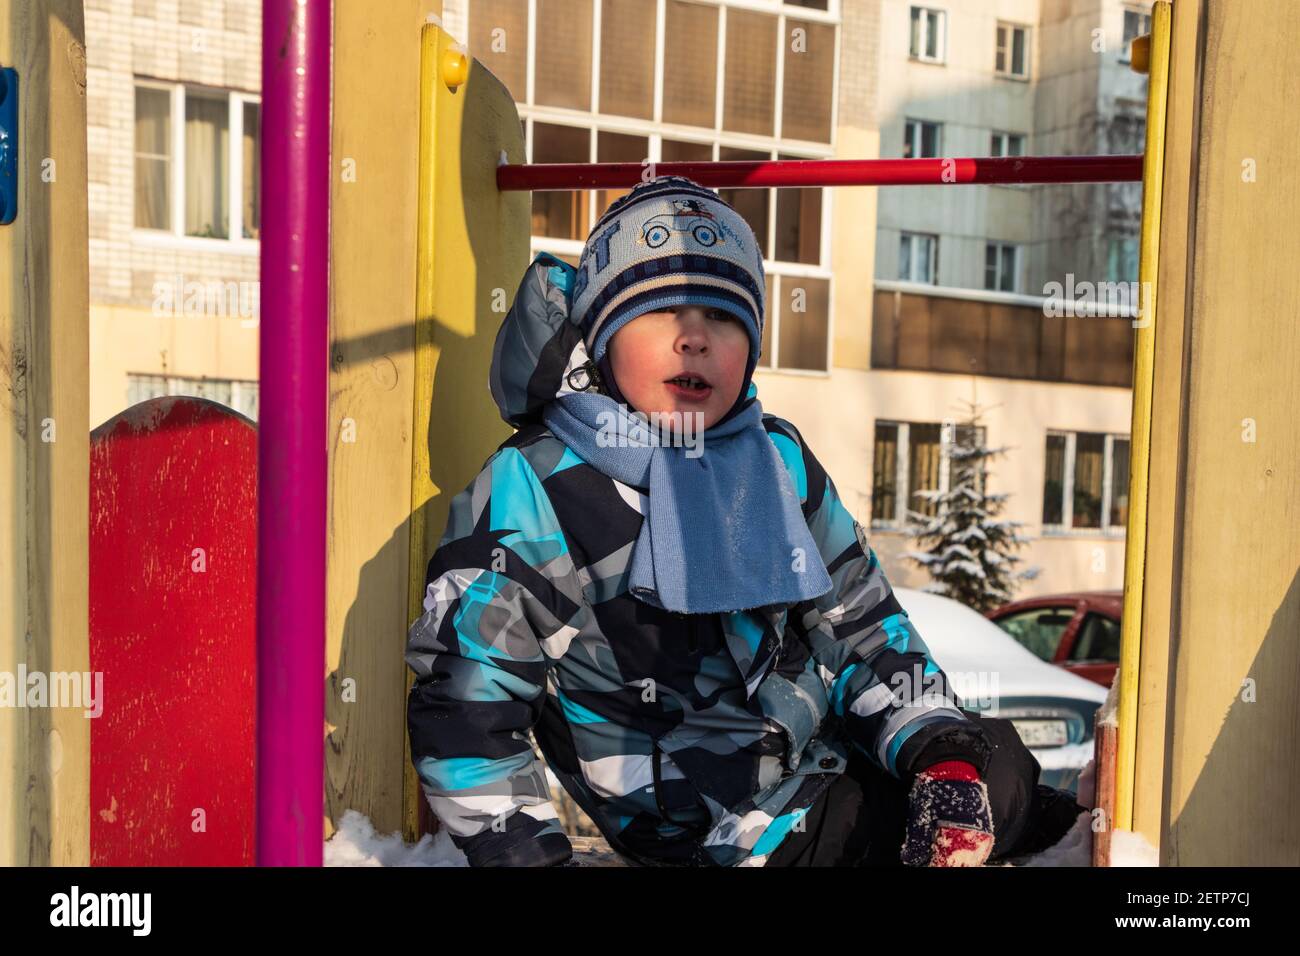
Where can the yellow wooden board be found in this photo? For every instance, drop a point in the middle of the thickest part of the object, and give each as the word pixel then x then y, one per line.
pixel 421 242
pixel 45 437
pixel 473 249
pixel 1233 778
pixel 374 159
pixel 1215 776
pixel 1157 62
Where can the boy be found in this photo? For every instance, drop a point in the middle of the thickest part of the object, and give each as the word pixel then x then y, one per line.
pixel 687 618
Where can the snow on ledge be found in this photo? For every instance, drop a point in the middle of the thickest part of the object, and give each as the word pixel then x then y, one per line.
pixel 1129 848
pixel 356 843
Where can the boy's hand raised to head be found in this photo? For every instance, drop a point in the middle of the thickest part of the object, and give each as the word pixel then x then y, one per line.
pixel 949 820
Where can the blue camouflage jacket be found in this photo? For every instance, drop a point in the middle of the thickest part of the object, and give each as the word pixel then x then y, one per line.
pixel 689 739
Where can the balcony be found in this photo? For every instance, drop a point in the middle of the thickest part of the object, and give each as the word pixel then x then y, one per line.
pixel 968 332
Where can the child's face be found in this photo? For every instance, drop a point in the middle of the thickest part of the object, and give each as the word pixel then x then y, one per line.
pixel 700 341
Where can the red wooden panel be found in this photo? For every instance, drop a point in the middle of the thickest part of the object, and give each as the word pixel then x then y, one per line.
pixel 176 644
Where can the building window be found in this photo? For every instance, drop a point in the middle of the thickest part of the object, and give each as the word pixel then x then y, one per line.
pixel 927 41
pixel 921 140
pixel 918 258
pixel 1085 484
pixel 1136 23
pixel 798 312
pixel 731 89
pixel 239 394
pixel 691 86
pixel 1007 144
pixel 1001 267
pixel 908 458
pixel 197 161
pixel 1013 51
pixel 788 225
pixel 561 215
pixel 153 156
pixel 1122 259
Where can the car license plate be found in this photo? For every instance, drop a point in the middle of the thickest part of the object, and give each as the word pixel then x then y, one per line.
pixel 1042 733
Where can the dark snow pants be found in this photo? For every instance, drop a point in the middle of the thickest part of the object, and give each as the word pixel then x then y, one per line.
pixel 862 819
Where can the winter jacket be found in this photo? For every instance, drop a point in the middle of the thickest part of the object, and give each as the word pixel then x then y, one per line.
pixel 690 739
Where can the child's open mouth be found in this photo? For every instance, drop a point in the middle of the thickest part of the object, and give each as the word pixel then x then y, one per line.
pixel 690 387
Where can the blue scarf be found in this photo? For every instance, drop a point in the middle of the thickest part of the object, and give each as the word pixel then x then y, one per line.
pixel 724 530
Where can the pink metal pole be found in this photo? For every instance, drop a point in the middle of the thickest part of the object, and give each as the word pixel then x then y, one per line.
pixel 831 172
pixel 291 434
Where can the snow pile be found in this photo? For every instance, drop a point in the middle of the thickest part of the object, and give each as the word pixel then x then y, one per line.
pixel 1086 793
pixel 1128 848
pixel 1073 849
pixel 356 843
pixel 1108 716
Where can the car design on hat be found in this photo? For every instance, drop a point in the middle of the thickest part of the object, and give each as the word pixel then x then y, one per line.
pixel 690 217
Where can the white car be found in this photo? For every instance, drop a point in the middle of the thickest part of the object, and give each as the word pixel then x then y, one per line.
pixel 993 674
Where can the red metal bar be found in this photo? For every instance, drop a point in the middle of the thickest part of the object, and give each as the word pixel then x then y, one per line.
pixel 830 172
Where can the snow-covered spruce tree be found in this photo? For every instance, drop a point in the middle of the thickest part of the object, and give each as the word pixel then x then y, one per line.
pixel 965 546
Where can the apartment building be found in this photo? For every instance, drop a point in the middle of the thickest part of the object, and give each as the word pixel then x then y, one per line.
pixel 174 148
pixel 970 281
pixel 887 309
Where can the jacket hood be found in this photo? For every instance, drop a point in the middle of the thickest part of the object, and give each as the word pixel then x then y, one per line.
pixel 538 345
pixel 539 353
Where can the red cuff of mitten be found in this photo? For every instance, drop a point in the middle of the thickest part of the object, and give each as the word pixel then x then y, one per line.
pixel 953 770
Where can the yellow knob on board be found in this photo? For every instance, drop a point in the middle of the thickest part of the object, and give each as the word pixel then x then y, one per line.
pixel 1140 55
pixel 455 67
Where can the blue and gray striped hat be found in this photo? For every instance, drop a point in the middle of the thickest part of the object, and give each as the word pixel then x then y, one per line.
pixel 670 241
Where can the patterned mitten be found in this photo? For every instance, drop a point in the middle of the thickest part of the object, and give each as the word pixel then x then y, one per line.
pixel 949 820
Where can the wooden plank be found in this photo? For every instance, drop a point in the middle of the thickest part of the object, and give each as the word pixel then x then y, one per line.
pixel 44 438
pixel 372 336
pixel 1104 774
pixel 398 447
pixel 173 631
pixel 1233 781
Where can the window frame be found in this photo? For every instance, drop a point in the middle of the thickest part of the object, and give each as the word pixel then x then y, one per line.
pixel 1011 27
pixel 902 466
pixel 1066 526
pixel 175 236
pixel 1122 247
pixel 1005 137
pixel 914 138
pixel 1001 247
pixel 941 47
pixel 933 257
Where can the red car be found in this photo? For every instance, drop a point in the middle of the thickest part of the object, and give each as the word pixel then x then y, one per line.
pixel 1078 631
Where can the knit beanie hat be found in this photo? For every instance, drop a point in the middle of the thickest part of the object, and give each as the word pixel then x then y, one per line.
pixel 669 242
